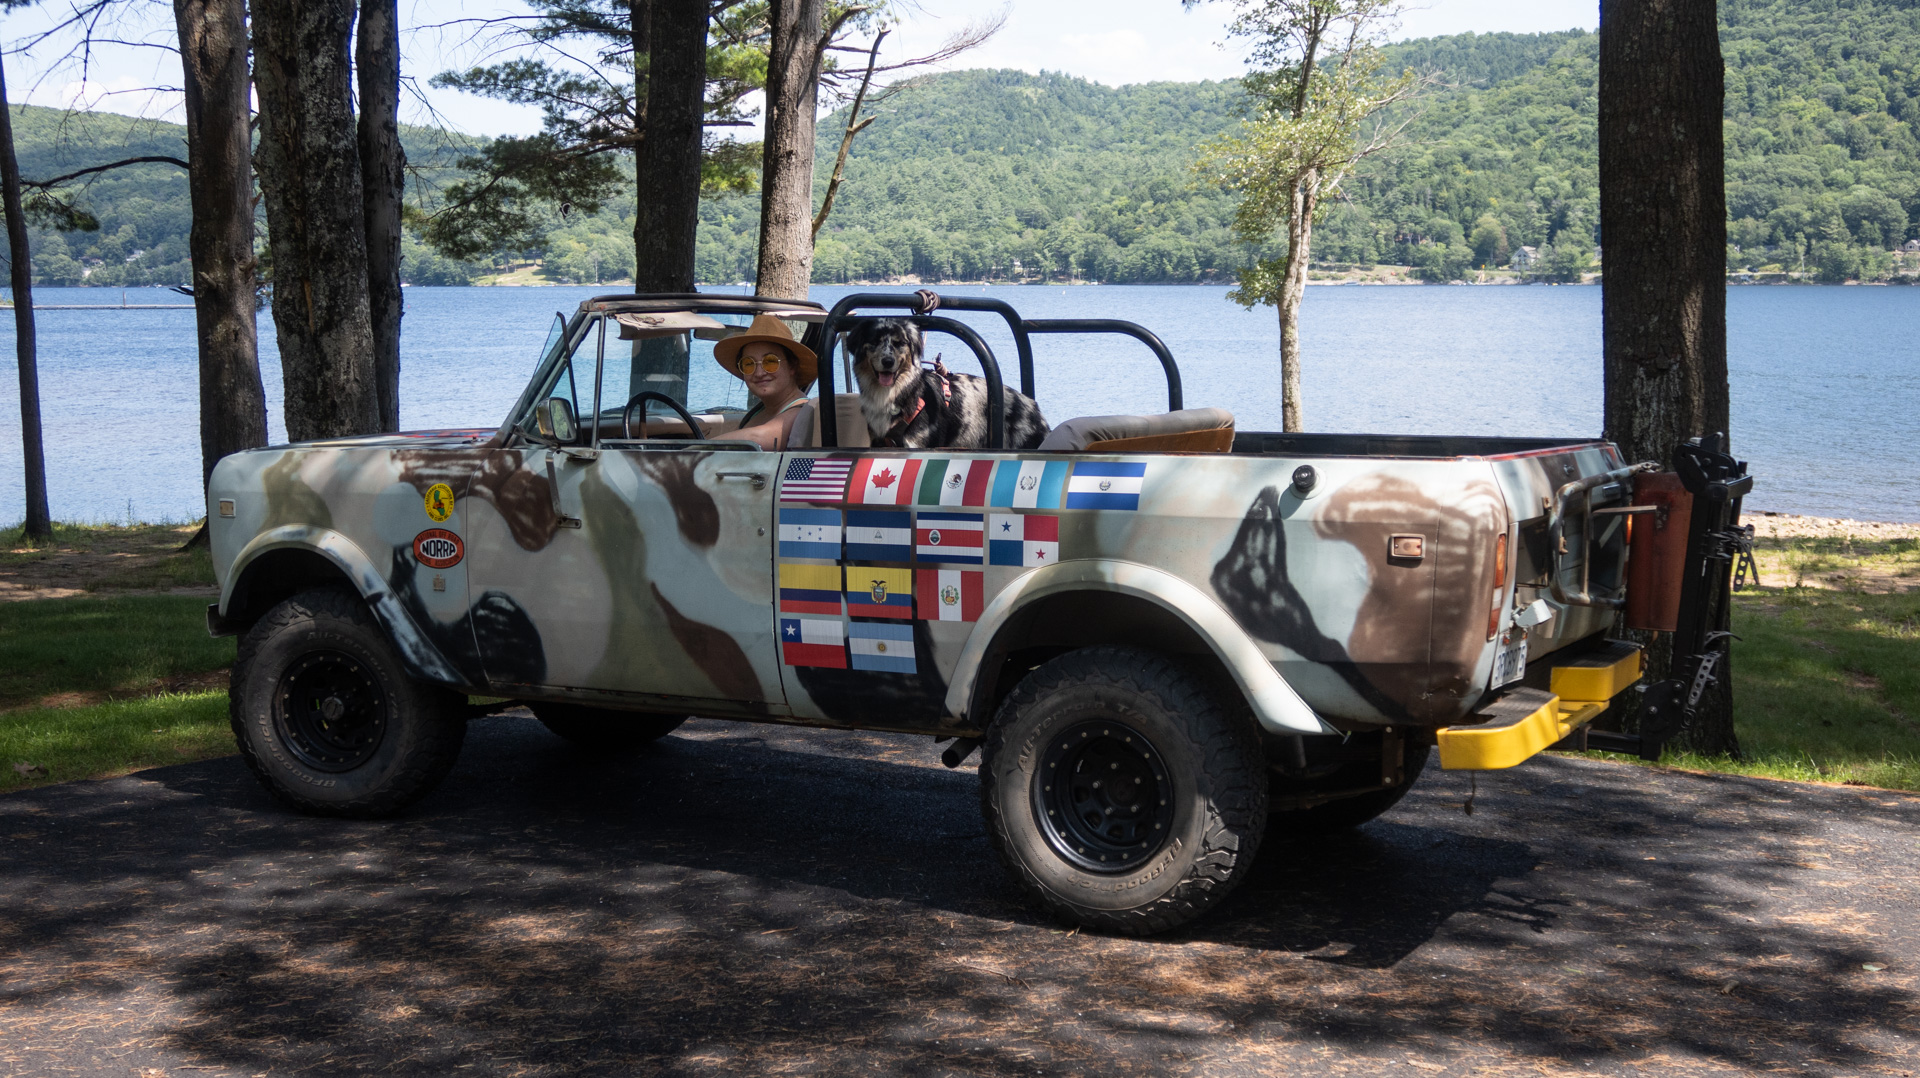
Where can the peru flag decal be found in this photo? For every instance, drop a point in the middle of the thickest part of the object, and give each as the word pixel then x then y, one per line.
pixel 947 595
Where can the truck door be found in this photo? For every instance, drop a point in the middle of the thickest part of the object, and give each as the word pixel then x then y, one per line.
pixel 645 574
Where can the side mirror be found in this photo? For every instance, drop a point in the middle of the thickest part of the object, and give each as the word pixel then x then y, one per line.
pixel 554 418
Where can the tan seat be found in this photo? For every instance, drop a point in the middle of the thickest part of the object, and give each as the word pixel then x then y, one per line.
pixel 1190 430
pixel 853 424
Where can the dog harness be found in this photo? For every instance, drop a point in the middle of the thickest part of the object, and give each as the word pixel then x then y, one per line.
pixel 899 428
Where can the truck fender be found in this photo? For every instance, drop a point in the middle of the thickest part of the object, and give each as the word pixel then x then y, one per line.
pixel 1275 704
pixel 422 659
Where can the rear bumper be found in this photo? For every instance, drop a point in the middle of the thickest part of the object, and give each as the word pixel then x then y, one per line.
pixel 1524 722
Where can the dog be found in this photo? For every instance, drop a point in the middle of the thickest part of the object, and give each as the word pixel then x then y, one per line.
pixel 913 407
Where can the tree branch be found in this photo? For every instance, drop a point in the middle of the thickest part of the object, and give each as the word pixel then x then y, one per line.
pixel 44 185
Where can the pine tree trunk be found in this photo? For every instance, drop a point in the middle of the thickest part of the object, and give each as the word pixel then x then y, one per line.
pixel 39 522
pixel 383 177
pixel 308 161
pixel 1663 216
pixel 786 169
pixel 213 61
pixel 640 31
pixel 669 172
pixel 1293 289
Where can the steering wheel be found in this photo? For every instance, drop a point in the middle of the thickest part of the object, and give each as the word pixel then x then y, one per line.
pixel 641 398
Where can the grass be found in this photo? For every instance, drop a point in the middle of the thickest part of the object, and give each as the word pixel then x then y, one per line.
pixel 111 738
pixel 123 645
pixel 109 557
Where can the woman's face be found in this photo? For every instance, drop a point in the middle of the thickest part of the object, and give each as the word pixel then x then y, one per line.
pixel 769 385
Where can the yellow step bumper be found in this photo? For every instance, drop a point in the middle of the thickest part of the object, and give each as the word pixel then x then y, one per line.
pixel 1527 721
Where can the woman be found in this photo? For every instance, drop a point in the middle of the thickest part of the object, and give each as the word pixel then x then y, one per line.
pixel 778 371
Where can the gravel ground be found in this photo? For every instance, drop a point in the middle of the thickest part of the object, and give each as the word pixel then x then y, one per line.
pixel 1790 526
pixel 758 900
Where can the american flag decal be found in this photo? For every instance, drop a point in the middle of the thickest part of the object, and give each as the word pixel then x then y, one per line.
pixel 815 479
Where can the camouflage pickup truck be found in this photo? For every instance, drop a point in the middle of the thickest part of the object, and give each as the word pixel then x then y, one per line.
pixel 1167 636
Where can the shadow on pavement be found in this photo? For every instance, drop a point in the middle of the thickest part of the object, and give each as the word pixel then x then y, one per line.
pixel 757 899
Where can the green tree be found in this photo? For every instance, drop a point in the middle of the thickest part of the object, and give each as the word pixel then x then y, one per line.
pixel 1489 242
pixel 1314 97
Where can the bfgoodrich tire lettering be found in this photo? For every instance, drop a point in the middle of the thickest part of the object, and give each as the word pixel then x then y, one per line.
pixel 1192 808
pixel 326 717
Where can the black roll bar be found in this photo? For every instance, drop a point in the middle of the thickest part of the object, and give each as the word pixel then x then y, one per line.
pixel 924 303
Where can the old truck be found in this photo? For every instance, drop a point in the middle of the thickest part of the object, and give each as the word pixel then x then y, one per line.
pixel 1168 636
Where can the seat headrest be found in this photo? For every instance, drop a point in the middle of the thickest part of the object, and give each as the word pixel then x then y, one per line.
pixel 1190 430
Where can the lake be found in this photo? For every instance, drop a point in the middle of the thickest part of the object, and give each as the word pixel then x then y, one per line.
pixel 1826 391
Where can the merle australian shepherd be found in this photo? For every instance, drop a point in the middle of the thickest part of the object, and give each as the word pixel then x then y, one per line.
pixel 914 407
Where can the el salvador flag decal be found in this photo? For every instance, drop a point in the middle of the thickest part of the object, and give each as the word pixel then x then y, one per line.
pixel 1106 485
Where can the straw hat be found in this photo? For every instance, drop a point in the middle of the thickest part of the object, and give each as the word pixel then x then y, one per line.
pixel 771 330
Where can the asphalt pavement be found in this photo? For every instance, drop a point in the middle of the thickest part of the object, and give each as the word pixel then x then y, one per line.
pixel 761 900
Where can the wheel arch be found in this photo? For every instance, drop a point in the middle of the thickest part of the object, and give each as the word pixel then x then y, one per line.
pixel 282 562
pixel 1088 603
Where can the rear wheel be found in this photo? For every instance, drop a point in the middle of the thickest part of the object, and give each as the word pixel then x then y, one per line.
pixel 1119 793
pixel 326 717
pixel 603 729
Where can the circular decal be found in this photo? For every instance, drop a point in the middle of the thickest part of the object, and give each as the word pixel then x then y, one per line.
pixel 949 596
pixel 439 502
pixel 438 548
pixel 933 537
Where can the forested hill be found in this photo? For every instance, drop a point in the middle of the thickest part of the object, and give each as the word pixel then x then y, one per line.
pixel 999 174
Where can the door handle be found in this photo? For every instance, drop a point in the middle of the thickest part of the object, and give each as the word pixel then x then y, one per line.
pixel 758 479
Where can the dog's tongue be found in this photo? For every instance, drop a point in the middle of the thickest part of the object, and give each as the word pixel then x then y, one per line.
pixel 886 379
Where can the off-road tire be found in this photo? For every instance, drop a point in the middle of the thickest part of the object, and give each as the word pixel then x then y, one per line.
pixel 417 727
pixel 1350 812
pixel 1205 756
pixel 605 730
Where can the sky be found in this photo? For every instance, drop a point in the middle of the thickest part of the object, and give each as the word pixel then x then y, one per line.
pixel 1115 42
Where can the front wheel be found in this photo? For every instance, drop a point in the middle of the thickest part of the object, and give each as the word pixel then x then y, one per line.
pixel 1119 793
pixel 327 718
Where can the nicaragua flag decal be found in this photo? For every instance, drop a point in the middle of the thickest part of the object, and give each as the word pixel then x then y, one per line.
pixel 1106 485
pixel 880 646
pixel 813 642
pixel 954 482
pixel 953 538
pixel 810 533
pixel 879 593
pixel 1029 484
pixel 948 595
pixel 1026 541
pixel 879 535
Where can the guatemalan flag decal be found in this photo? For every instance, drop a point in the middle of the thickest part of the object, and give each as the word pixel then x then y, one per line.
pixel 813 642
pixel 1029 541
pixel 1029 484
pixel 1106 485
pixel 953 538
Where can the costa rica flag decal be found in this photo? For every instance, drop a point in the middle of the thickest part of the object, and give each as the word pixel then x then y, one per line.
pixel 948 537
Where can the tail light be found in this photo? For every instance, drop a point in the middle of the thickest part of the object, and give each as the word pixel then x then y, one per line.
pixel 1499 585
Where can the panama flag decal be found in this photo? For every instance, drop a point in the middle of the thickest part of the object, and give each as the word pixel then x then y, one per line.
pixel 948 595
pixel 954 482
pixel 1106 485
pixel 883 481
pixel 879 646
pixel 879 593
pixel 810 589
pixel 1029 484
pixel 948 537
pixel 1027 541
pixel 813 642
pixel 879 535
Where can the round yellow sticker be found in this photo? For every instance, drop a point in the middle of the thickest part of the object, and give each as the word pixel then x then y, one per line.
pixel 439 502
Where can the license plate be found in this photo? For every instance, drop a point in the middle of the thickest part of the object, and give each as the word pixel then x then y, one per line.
pixel 1510 664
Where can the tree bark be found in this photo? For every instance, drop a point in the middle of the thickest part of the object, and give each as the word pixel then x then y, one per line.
pixel 669 170
pixel 786 170
pixel 383 177
pixel 39 520
pixel 1293 289
pixel 1663 216
pixel 213 61
pixel 309 166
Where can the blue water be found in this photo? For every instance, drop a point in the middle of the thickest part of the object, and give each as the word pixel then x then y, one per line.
pixel 1826 390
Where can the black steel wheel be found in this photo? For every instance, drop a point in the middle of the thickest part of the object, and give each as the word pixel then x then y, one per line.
pixel 1102 795
pixel 1121 792
pixel 330 711
pixel 326 717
